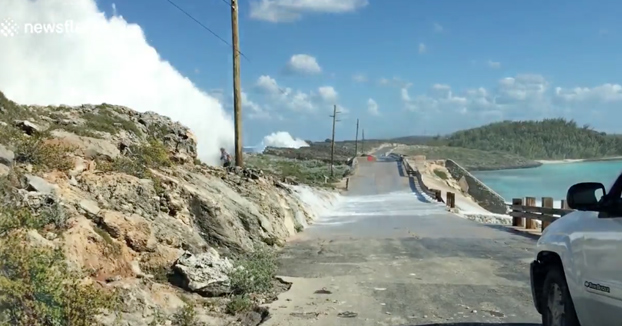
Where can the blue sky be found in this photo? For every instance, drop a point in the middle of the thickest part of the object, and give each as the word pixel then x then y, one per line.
pixel 429 66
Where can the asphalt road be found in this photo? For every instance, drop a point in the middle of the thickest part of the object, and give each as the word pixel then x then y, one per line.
pixel 387 256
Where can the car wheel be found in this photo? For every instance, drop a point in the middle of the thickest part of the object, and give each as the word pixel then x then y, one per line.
pixel 557 306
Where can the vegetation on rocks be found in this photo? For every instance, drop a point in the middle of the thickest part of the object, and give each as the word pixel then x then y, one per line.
pixel 311 172
pixel 253 275
pixel 106 211
pixel 36 286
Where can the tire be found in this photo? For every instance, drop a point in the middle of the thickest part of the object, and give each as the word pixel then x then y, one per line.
pixel 555 286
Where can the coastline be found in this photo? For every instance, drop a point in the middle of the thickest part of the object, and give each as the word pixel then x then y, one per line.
pixel 580 160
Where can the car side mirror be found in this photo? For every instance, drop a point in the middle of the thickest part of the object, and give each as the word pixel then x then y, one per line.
pixel 585 196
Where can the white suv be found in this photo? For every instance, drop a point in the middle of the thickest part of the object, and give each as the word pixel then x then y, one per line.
pixel 576 278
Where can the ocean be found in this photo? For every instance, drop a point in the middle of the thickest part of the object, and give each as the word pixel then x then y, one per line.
pixel 549 180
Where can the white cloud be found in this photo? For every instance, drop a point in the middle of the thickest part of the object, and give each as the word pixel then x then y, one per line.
pixel 359 78
pixel 295 100
pixel 283 139
pixel 303 64
pixel 422 48
pixel 110 62
pixel 372 107
pixel 393 82
pixel 438 28
pixel 269 85
pixel 525 97
pixel 494 64
pixel 277 11
pixel 257 112
pixel 328 94
pixel 605 93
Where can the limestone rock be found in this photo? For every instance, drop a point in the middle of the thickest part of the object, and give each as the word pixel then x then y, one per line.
pixel 27 126
pixel 4 170
pixel 87 146
pixel 205 273
pixel 38 184
pixel 6 156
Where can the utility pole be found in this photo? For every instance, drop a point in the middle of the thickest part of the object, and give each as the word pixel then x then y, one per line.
pixel 237 89
pixel 332 143
pixel 363 142
pixel 356 140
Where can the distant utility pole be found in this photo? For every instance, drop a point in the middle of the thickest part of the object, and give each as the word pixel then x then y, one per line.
pixel 363 142
pixel 237 89
pixel 356 140
pixel 332 143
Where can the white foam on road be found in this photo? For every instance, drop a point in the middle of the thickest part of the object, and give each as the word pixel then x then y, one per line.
pixel 316 201
pixel 405 203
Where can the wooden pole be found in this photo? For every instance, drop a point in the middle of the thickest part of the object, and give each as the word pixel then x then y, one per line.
pixel 451 200
pixel 531 223
pixel 564 206
pixel 332 142
pixel 356 140
pixel 546 202
pixel 517 221
pixel 237 88
pixel 363 142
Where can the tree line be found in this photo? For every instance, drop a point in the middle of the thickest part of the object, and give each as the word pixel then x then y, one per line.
pixel 545 139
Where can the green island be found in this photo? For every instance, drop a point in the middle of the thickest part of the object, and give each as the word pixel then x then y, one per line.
pixel 499 145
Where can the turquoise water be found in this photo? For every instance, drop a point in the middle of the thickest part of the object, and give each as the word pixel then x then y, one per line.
pixel 549 180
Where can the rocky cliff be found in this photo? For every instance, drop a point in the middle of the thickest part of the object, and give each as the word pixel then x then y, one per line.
pixel 121 197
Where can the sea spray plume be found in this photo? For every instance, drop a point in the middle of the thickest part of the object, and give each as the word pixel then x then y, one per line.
pixel 101 60
pixel 283 139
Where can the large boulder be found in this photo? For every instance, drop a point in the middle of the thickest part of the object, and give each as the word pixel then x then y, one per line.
pixel 206 273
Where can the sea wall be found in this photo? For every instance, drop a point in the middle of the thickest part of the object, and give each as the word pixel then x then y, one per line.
pixel 483 195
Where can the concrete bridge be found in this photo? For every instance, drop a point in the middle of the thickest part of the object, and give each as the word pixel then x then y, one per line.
pixel 389 256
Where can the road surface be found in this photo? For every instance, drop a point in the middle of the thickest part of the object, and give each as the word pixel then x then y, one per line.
pixel 389 257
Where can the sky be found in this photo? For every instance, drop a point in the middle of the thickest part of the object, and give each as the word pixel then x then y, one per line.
pixel 402 67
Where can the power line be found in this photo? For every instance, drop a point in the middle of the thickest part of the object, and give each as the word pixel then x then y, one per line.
pixel 205 27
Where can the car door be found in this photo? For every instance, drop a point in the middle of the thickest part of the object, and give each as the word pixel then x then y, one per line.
pixel 602 270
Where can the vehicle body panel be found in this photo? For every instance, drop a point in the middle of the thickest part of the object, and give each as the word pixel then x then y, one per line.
pixel 590 248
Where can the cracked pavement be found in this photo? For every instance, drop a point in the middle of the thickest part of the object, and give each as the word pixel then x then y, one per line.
pixel 387 256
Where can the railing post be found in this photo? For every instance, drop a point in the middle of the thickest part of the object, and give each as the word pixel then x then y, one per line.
pixel 531 224
pixel 347 183
pixel 548 203
pixel 451 199
pixel 564 206
pixel 517 221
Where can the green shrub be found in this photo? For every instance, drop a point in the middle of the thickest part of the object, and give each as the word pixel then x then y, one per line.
pixel 43 156
pixel 38 289
pixel 150 155
pixel 254 273
pixel 238 304
pixel 15 217
pixel 441 174
pixel 186 316
pixel 107 120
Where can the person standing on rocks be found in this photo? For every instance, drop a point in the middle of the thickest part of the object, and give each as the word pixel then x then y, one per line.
pixel 225 157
